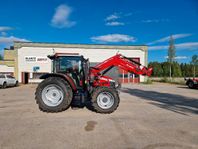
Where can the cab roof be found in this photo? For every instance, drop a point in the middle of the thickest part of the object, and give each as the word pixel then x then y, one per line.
pixel 62 55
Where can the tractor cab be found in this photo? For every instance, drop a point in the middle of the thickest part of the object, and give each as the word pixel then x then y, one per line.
pixel 74 65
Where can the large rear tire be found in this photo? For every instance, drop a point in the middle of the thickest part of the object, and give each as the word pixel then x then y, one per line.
pixel 105 100
pixel 53 94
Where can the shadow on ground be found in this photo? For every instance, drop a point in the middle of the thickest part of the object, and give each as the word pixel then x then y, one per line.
pixel 77 104
pixel 176 103
pixel 186 87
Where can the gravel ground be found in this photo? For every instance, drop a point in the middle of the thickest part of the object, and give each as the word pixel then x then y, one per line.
pixel 156 116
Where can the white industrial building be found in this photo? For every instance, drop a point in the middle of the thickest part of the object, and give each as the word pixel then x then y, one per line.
pixel 30 58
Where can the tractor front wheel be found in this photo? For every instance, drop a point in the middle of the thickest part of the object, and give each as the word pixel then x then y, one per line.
pixel 105 100
pixel 53 95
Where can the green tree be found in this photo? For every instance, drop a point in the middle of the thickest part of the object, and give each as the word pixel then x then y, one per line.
pixel 157 69
pixel 194 62
pixel 1 57
pixel 165 67
pixel 176 70
pixel 185 69
pixel 182 69
pixel 171 55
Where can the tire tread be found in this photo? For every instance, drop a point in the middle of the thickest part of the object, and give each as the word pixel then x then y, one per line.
pixel 94 100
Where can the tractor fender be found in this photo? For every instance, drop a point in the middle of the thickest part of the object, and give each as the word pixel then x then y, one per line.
pixel 64 76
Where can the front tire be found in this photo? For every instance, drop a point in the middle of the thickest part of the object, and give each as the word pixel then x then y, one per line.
pixel 16 84
pixel 105 100
pixel 53 95
pixel 4 85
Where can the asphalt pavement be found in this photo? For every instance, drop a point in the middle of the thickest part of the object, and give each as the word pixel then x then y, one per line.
pixel 156 116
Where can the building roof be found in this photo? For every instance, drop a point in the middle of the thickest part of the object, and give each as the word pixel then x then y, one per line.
pixel 18 45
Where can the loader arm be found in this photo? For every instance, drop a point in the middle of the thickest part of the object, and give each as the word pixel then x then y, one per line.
pixel 122 62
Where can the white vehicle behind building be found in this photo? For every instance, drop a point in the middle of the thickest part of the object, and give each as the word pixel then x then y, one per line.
pixel 7 80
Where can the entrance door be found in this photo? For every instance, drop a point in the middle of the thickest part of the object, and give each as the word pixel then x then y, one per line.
pixel 25 77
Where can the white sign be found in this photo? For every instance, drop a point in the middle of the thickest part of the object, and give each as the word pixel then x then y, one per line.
pixel 30 58
pixel 34 59
pixel 41 59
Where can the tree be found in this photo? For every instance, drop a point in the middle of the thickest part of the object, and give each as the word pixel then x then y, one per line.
pixel 185 69
pixel 194 62
pixel 171 55
pixel 165 67
pixel 176 70
pixel 1 57
pixel 157 69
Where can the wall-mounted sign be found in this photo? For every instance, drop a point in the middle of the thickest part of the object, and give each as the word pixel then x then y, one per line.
pixel 36 68
pixel 34 59
pixel 41 59
pixel 30 58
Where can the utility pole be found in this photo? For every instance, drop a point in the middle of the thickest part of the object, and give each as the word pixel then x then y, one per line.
pixel 171 55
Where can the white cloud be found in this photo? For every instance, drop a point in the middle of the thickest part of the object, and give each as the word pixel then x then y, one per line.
pixel 163 47
pixel 150 21
pixel 187 45
pixel 178 57
pixel 129 14
pixel 5 28
pixel 3 33
pixel 112 17
pixel 180 46
pixel 61 17
pixel 155 20
pixel 181 57
pixel 113 38
pixel 175 36
pixel 9 40
pixel 114 23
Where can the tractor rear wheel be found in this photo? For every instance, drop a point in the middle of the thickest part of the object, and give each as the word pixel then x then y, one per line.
pixel 105 100
pixel 53 94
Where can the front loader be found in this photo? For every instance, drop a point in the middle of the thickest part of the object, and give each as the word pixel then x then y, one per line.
pixel 74 79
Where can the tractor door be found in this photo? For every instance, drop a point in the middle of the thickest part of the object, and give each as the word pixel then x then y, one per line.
pixel 70 65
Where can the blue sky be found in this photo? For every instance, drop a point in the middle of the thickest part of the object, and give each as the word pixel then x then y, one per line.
pixel 123 22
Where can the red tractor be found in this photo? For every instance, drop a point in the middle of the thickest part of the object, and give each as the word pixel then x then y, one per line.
pixel 74 79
